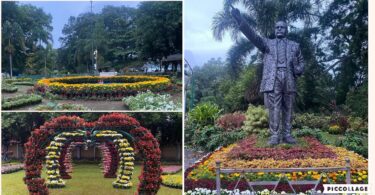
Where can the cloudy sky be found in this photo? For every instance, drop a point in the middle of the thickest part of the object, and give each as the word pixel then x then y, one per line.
pixel 62 10
pixel 199 44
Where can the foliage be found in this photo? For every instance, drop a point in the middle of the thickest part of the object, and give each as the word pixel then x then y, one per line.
pixel 355 142
pixel 311 120
pixel 23 83
pixel 121 35
pixel 208 138
pixel 58 106
pixel 357 124
pixel 231 121
pixel 26 31
pixel 256 120
pixel 19 101
pixel 347 40
pixel 357 101
pixel 204 114
pixel 174 181
pixel 159 29
pixel 151 101
pixel 8 88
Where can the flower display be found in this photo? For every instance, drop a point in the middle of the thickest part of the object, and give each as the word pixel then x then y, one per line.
pixel 205 191
pixel 247 150
pixel 202 174
pixel 56 151
pixel 114 86
pixel 174 181
pixel 121 154
pixel 126 168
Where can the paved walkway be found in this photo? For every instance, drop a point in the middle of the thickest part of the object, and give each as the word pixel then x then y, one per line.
pixel 191 157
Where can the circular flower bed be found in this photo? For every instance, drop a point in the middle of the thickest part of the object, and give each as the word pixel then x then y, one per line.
pixel 95 87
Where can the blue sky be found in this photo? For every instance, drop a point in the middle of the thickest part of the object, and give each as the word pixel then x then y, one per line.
pixel 62 10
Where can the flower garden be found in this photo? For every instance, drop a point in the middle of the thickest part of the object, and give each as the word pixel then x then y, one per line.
pixel 239 141
pixel 102 87
pixel 119 137
pixel 137 92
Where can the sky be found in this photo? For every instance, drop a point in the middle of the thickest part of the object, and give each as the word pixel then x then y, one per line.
pixel 62 10
pixel 199 43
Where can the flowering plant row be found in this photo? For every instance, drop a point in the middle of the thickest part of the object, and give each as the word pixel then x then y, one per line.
pixel 95 87
pixel 20 100
pixel 174 181
pixel 54 162
pixel 205 169
pixel 204 191
pixel 247 150
pixel 145 142
pixel 126 168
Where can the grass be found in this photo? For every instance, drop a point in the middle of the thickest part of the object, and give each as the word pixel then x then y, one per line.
pixel 87 179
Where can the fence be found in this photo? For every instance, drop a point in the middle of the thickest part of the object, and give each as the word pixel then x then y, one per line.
pixel 242 172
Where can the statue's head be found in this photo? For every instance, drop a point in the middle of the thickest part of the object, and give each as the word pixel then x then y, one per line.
pixel 281 29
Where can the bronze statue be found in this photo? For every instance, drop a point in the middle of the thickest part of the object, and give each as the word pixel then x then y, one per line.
pixel 282 64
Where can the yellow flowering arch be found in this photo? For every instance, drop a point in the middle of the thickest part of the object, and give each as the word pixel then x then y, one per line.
pixel 102 87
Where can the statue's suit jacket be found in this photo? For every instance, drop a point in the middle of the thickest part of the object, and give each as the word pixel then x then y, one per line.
pixel 294 59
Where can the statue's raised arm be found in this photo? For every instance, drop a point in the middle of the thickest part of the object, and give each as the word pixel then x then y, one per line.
pixel 257 40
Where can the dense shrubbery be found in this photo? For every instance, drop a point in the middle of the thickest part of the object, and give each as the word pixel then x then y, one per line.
pixel 58 106
pixel 231 121
pixel 311 120
pixel 151 101
pixel 355 142
pixel 256 120
pixel 204 114
pixel 22 100
pixel 8 88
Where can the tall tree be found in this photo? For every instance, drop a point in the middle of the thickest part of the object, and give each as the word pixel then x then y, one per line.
pixel 159 29
pixel 346 24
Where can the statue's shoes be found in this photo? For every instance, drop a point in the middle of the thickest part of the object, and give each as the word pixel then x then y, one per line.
pixel 289 140
pixel 273 141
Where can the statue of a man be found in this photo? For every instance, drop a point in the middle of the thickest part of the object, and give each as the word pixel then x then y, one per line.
pixel 282 64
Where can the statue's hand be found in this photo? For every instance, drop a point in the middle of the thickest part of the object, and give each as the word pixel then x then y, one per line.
pixel 236 14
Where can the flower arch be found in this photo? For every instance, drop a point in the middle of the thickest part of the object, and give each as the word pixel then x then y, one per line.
pixel 143 140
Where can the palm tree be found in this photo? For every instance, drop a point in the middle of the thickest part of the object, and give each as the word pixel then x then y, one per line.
pixel 13 34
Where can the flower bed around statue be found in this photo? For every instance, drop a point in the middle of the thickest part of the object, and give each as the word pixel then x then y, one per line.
pixel 67 129
pixel 202 174
pixel 95 87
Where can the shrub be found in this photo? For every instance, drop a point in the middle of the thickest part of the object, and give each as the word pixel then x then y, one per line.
pixel 23 83
pixel 151 101
pixel 256 120
pixel 58 106
pixel 357 124
pixel 334 129
pixel 22 100
pixel 355 142
pixel 340 121
pixel 231 121
pixel 209 138
pixel 204 114
pixel 311 120
pixel 8 88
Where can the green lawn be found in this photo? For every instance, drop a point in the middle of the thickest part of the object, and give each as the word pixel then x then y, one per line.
pixel 86 179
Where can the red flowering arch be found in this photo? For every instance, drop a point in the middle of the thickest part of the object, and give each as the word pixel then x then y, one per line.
pixel 144 141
